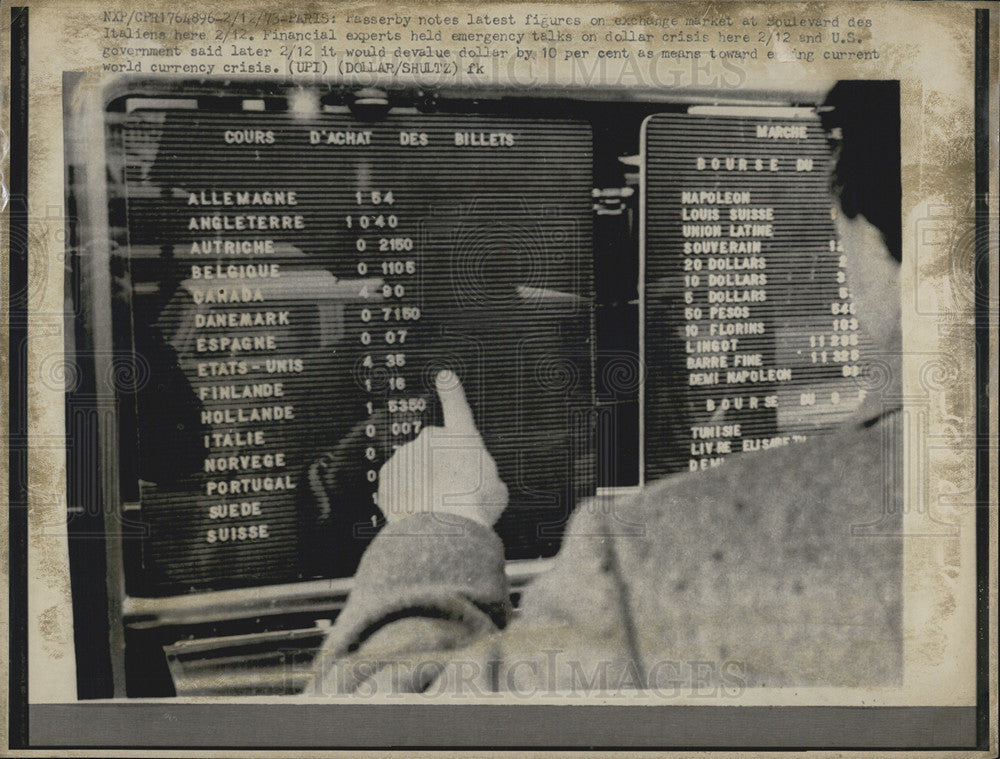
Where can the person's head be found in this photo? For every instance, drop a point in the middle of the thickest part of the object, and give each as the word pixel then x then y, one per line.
pixel 861 119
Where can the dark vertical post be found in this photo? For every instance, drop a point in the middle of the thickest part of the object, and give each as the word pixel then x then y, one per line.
pixel 18 399
pixel 982 301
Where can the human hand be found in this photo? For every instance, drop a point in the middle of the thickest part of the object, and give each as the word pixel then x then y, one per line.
pixel 444 470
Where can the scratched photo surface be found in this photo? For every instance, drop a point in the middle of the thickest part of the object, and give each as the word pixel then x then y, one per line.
pixel 581 353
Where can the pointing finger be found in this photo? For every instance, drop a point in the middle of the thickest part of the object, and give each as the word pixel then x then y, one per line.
pixel 454 407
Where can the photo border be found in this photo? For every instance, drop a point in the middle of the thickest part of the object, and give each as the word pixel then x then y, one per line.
pixel 85 725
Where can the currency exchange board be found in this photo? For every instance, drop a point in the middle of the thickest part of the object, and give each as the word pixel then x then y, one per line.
pixel 291 284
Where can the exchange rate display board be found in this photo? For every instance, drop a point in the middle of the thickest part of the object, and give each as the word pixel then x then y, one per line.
pixel 751 338
pixel 290 285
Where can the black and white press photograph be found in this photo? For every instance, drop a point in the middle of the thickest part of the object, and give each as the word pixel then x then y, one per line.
pixel 580 363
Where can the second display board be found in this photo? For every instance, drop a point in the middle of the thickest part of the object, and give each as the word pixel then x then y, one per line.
pixel 751 337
